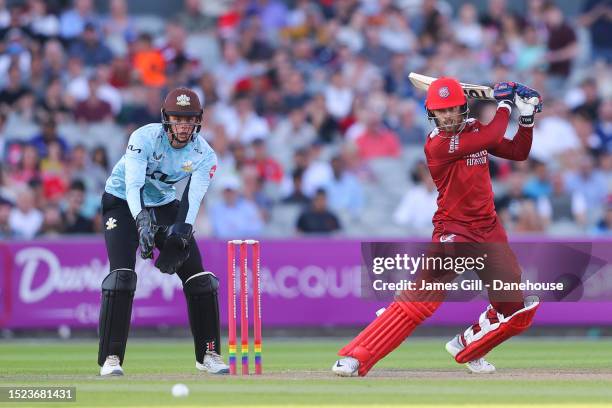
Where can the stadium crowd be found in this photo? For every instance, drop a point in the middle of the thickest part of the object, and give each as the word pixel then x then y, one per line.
pixel 308 106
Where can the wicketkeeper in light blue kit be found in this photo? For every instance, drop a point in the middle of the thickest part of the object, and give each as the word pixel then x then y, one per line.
pixel 140 209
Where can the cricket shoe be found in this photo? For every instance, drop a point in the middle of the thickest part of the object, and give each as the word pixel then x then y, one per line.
pixel 111 367
pixel 346 367
pixel 213 364
pixel 478 366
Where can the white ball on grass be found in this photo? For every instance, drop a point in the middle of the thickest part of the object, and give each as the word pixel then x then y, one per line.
pixel 180 390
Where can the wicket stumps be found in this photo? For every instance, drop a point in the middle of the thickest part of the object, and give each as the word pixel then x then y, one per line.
pixel 244 307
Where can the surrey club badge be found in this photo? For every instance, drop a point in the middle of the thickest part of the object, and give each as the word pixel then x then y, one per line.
pixel 187 166
pixel 183 100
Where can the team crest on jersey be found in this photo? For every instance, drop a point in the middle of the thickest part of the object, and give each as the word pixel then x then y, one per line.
pixel 111 223
pixel 453 146
pixel 187 166
pixel 444 92
pixel 183 100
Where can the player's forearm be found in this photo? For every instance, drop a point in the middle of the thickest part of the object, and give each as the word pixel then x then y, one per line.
pixel 197 187
pixel 493 133
pixel 516 149
pixel 135 173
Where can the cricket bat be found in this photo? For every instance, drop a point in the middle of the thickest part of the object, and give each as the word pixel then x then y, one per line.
pixel 470 90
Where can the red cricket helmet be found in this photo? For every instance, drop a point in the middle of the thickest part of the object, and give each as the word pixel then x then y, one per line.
pixel 444 92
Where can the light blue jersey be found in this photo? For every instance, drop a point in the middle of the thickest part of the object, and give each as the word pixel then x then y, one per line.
pixel 152 165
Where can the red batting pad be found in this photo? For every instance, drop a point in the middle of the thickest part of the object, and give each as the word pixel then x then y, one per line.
pixel 387 332
pixel 493 329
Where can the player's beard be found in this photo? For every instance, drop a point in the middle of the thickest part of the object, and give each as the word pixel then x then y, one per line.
pixel 451 126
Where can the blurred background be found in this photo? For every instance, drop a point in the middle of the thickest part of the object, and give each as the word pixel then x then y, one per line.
pixel 308 106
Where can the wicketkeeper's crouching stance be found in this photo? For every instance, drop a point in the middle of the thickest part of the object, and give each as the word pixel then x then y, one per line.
pixel 140 209
pixel 457 156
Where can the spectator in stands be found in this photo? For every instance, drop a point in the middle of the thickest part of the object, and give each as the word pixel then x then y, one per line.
pixel 538 185
pixel 325 126
pixel 604 226
pixel 53 222
pixel 28 167
pixel 193 19
pixel 90 49
pixel 25 219
pixel 468 31
pixel 603 127
pixel 73 21
pixel 596 17
pixel 48 135
pixel 409 132
pixel 419 203
pixel 55 103
pixel 54 59
pixel 119 27
pixel 297 196
pixel 5 211
pixel 338 97
pixel 93 109
pixel 562 47
pixel 75 222
pixel 3 138
pixel 230 70
pixel 294 131
pixel 561 205
pixel 14 88
pixel 585 100
pixel 234 215
pixel 344 191
pixel 148 62
pixel 588 181
pixel 318 219
pixel 43 24
pixel 242 123
pixel 268 169
pixel 376 140
pixel 516 209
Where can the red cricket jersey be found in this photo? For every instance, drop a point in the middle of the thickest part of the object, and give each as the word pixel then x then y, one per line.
pixel 459 165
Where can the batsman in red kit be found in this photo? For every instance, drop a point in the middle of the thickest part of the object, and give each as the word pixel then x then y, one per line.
pixel 457 153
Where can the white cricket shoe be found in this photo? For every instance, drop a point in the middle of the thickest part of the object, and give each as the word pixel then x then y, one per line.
pixel 111 367
pixel 346 367
pixel 478 366
pixel 213 364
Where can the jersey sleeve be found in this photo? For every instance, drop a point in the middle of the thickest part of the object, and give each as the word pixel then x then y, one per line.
pixel 136 157
pixel 196 189
pixel 487 137
pixel 516 149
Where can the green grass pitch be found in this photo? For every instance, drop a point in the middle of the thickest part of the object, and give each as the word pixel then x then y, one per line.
pixel 531 372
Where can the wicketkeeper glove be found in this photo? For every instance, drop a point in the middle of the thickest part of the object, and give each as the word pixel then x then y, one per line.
pixel 176 248
pixel 528 102
pixel 145 222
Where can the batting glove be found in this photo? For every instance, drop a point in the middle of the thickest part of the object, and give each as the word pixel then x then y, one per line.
pixel 528 102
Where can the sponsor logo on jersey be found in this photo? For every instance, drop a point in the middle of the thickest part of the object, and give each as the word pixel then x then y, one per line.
pixel 453 146
pixel 212 171
pixel 444 92
pixel 111 223
pixel 156 157
pixel 476 159
pixel 187 166
pixel 134 149
pixel 447 238
pixel 183 100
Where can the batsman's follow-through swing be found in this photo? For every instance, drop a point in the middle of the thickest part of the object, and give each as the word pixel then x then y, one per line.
pixel 457 157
